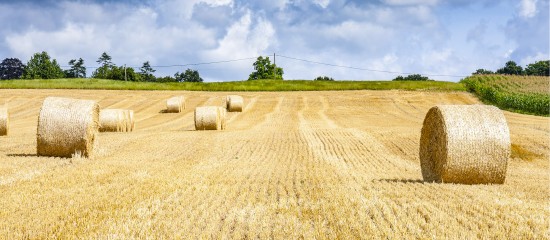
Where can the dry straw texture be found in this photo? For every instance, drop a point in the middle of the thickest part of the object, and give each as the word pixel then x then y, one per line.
pixel 112 120
pixel 175 104
pixel 223 113
pixel 467 144
pixel 234 103
pixel 209 118
pixel 67 127
pixel 132 124
pixel 4 121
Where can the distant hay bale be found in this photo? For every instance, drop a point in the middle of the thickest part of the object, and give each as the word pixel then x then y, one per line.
pixel 132 121
pixel 467 144
pixel 112 120
pixel 67 127
pixel 234 103
pixel 4 121
pixel 223 114
pixel 175 104
pixel 208 118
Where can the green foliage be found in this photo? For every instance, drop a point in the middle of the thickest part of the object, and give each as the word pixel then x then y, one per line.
pixel 78 70
pixel 11 68
pixel 412 77
pixel 146 72
pixel 258 85
pixel 511 68
pixel 482 71
pixel 41 67
pixel 323 78
pixel 500 91
pixel 165 79
pixel 540 68
pixel 264 69
pixel 188 76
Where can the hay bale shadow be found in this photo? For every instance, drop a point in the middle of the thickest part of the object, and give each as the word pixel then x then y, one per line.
pixel 396 180
pixel 21 155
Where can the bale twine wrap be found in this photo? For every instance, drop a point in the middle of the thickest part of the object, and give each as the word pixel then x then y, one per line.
pixel 468 144
pixel 66 127
pixel 112 120
pixel 175 104
pixel 234 103
pixel 4 121
pixel 208 118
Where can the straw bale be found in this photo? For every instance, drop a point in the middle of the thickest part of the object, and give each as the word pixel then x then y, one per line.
pixel 234 103
pixel 175 104
pixel 467 144
pixel 67 127
pixel 4 121
pixel 208 118
pixel 223 114
pixel 112 120
pixel 132 121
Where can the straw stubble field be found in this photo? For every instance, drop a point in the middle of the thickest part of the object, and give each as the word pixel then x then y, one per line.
pixel 291 165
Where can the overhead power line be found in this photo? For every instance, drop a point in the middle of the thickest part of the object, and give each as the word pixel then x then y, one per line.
pixel 184 65
pixel 364 69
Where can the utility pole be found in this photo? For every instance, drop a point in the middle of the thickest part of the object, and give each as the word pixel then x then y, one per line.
pixel 125 79
pixel 274 63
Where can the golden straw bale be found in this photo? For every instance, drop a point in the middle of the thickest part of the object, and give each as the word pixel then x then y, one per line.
pixel 467 144
pixel 112 120
pixel 175 104
pixel 4 121
pixel 223 113
pixel 66 127
pixel 234 103
pixel 132 121
pixel 208 118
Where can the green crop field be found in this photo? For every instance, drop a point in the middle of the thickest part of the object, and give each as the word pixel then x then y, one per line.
pixel 256 85
pixel 524 94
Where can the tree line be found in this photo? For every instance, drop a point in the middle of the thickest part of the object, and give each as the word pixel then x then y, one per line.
pixel 539 68
pixel 42 66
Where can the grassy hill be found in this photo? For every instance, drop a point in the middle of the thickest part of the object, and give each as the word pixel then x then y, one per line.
pixel 524 94
pixel 257 85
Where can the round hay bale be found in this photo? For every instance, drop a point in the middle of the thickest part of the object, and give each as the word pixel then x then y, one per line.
pixel 4 121
pixel 234 103
pixel 223 113
pixel 468 144
pixel 132 121
pixel 175 104
pixel 112 120
pixel 208 118
pixel 66 127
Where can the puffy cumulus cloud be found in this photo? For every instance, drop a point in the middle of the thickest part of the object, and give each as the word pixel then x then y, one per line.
pixel 530 31
pixel 528 8
pixel 452 37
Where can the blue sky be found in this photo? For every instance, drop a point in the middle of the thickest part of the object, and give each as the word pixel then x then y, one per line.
pixel 444 38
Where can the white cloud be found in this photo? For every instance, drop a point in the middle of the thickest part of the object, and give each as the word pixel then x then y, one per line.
pixel 322 3
pixel 528 8
pixel 410 2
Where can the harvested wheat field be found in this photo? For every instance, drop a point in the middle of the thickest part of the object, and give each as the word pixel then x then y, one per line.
pixel 340 164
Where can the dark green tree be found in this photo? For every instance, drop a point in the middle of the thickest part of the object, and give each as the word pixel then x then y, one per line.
pixel 412 77
pixel 264 69
pixel 540 68
pixel 323 78
pixel 482 71
pixel 511 68
pixel 189 75
pixel 41 67
pixel 146 72
pixel 78 70
pixel 106 66
pixel 11 68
